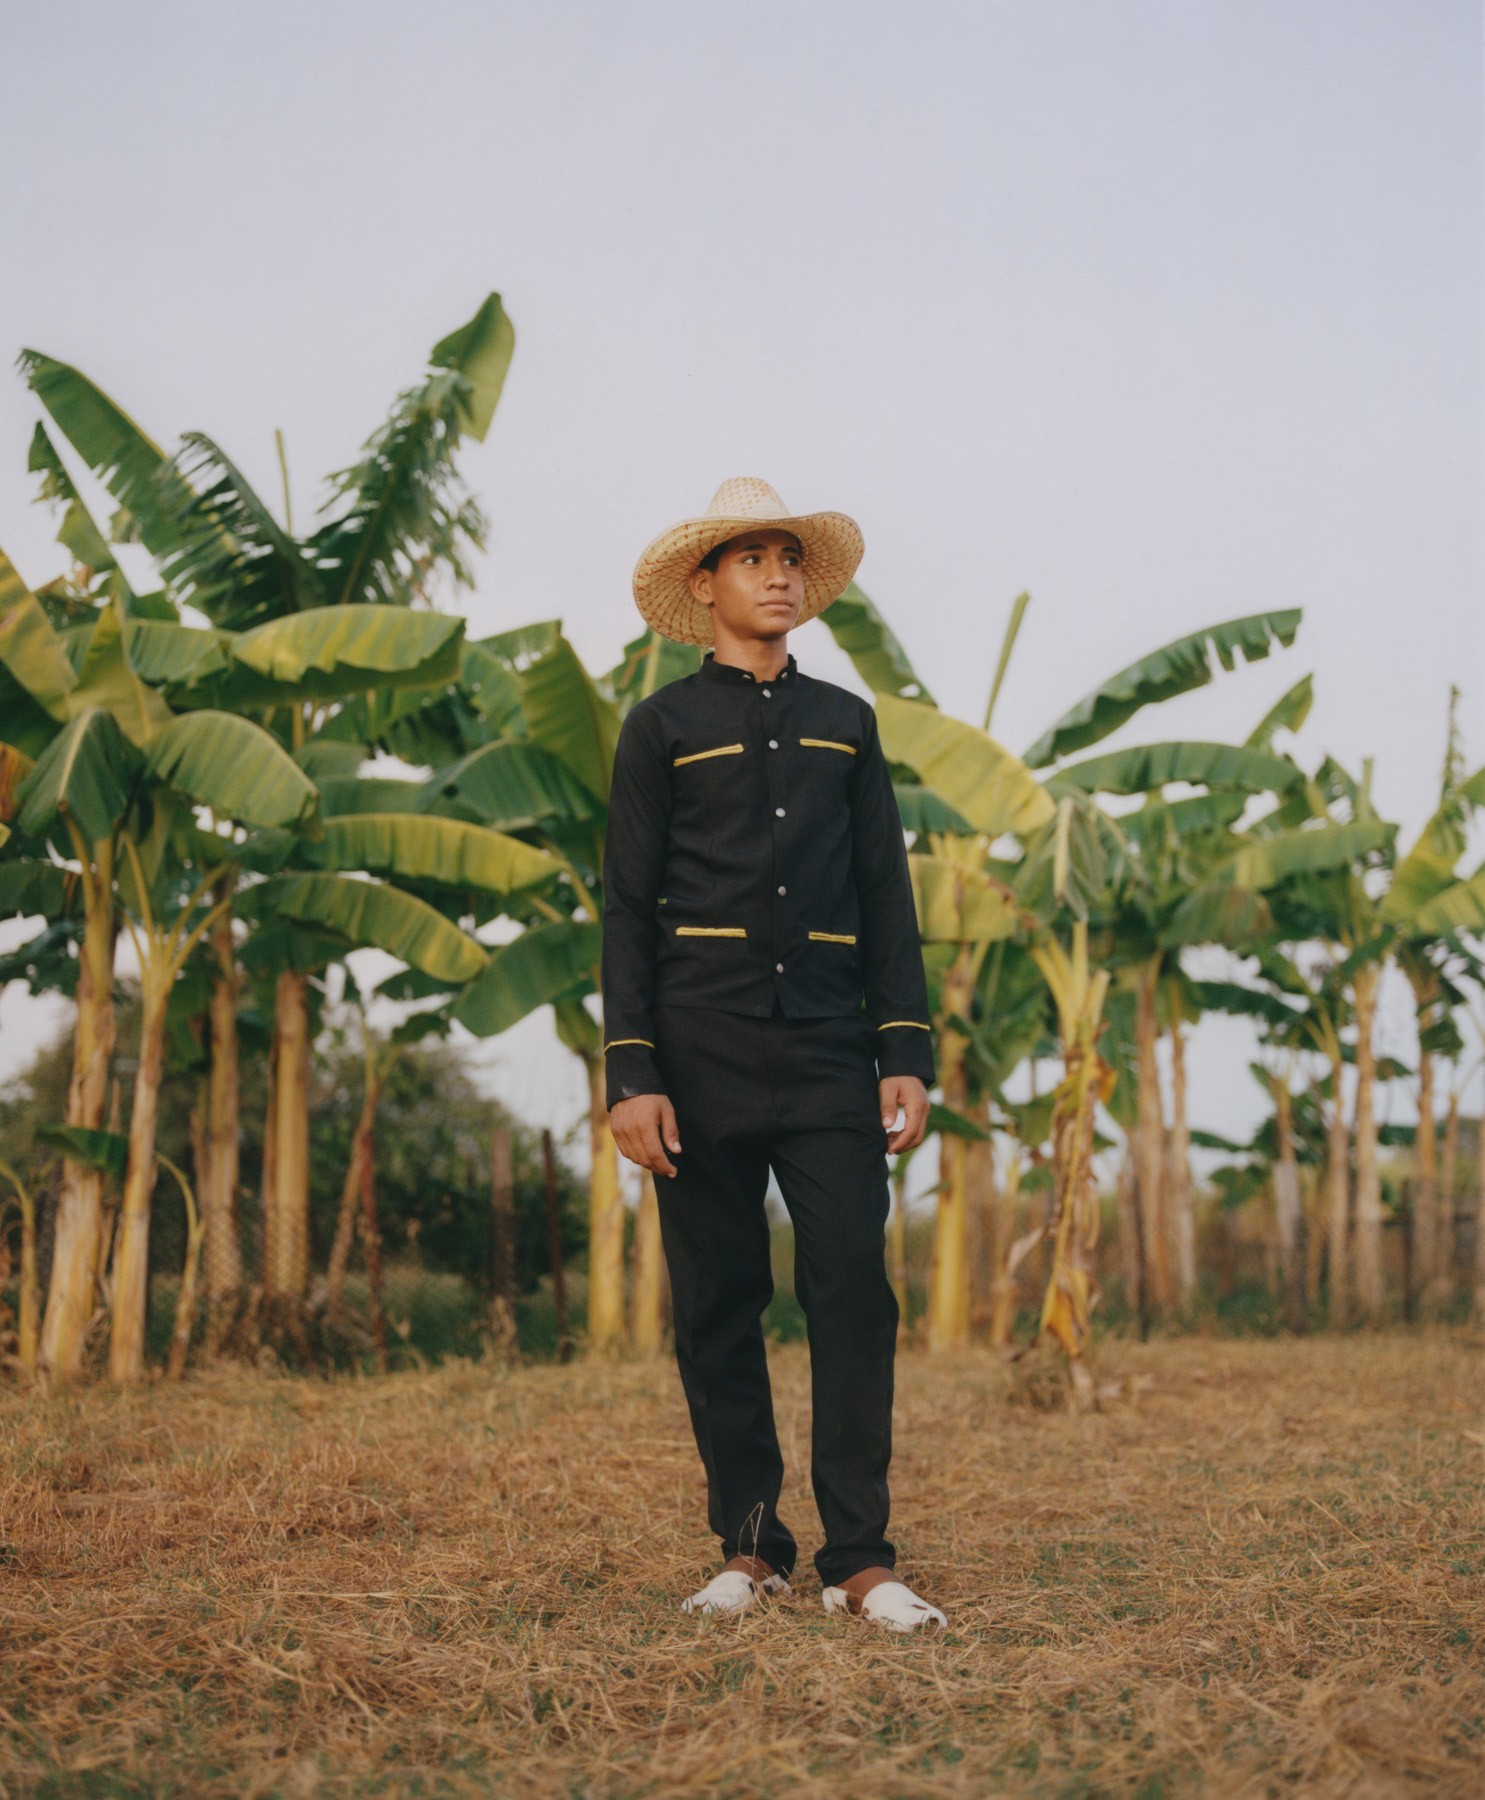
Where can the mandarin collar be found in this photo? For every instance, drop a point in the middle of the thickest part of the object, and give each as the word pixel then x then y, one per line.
pixel 719 671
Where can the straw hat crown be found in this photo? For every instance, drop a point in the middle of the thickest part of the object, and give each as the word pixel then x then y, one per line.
pixel 832 545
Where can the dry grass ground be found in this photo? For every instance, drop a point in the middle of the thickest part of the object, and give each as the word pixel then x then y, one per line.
pixel 1260 1571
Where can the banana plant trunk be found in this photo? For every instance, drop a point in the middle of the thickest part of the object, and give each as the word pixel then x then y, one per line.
pixel 1003 1294
pixel 362 1149
pixel 1131 1256
pixel 185 1304
pixel 1479 1306
pixel 897 1245
pixel 77 1245
pixel 1149 1140
pixel 982 1220
pixel 1368 1239
pixel 1073 1227
pixel 221 1248
pixel 649 1272
pixel 1425 1189
pixel 1338 1196
pixel 132 1246
pixel 948 1293
pixel 605 1224
pixel 1288 1213
pixel 28 1299
pixel 1178 1171
pixel 286 1148
pixel 1448 1176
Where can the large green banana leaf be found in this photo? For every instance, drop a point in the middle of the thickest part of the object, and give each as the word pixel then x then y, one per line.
pixel 1428 870
pixel 234 561
pixel 510 786
pixel 341 795
pixel 957 903
pixel 522 645
pixel 491 688
pixel 34 656
pixel 131 465
pixel 651 661
pixel 374 915
pixel 28 887
pixel 1149 766
pixel 233 766
pixel 177 657
pixel 1219 912
pixel 24 726
pixel 88 771
pixel 404 508
pixel 1246 1002
pixel 868 640
pixel 922 810
pixel 12 589
pixel 1287 713
pixel 544 964
pixel 480 353
pixel 78 535
pixel 336 650
pixel 1460 907
pixel 1178 819
pixel 106 1151
pixel 1177 668
pixel 1264 862
pixel 107 679
pixel 984 782
pixel 424 847
pixel 566 715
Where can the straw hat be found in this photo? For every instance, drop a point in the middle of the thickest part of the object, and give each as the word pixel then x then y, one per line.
pixel 832 550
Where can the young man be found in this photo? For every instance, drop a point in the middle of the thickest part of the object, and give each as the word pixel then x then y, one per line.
pixel 755 891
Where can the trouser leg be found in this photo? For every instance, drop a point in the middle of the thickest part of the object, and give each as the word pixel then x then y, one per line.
pixel 716 1238
pixel 834 1182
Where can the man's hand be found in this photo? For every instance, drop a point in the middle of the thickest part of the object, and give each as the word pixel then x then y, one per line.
pixel 645 1127
pixel 908 1092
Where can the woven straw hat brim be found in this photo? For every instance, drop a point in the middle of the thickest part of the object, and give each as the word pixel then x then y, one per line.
pixel 833 548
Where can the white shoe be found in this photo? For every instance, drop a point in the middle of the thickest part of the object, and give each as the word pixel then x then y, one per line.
pixel 734 1590
pixel 890 1603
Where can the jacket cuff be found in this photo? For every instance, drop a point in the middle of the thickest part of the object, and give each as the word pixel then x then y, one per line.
pixel 905 1049
pixel 629 1068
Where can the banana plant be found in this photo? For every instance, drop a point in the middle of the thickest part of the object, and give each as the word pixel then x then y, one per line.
pixel 111 798
pixel 313 620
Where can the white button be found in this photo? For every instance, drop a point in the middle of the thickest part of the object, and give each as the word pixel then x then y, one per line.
pixel 767 695
pixel 779 967
pixel 779 810
pixel 783 890
pixel 773 743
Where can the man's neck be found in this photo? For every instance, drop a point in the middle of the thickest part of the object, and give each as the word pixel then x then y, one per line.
pixel 765 659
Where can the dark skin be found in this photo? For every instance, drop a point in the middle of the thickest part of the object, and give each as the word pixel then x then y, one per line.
pixel 756 594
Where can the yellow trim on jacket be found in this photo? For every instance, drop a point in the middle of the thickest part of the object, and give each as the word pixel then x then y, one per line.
pixel 700 755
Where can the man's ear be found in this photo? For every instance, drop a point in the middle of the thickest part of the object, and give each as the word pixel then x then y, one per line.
pixel 700 583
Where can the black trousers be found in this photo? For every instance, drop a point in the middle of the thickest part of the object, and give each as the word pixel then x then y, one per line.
pixel 799 1095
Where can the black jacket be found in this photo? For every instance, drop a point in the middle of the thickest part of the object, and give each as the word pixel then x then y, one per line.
pixel 755 848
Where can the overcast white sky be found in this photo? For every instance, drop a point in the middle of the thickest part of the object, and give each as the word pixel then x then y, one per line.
pixel 1167 310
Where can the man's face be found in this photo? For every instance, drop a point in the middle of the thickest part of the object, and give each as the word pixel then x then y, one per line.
pixel 757 587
